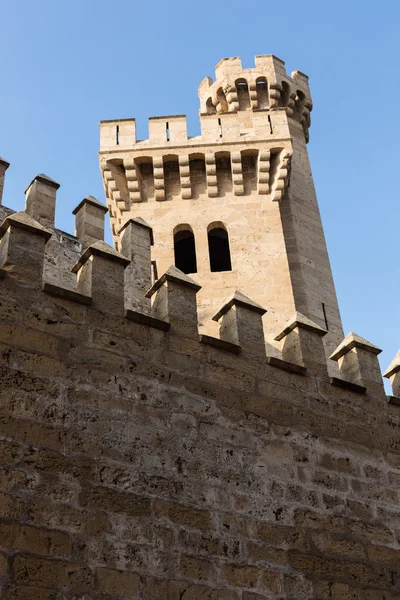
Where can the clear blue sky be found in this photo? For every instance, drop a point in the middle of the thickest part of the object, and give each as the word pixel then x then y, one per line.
pixel 68 64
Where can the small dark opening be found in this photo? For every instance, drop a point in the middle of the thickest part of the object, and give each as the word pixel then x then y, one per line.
pixel 185 251
pixel 211 110
pixel 243 94
pixel 167 131
pixel 218 247
pixel 262 93
pixel 117 135
pixel 270 124
pixel 220 128
pixel 325 317
pixel 154 270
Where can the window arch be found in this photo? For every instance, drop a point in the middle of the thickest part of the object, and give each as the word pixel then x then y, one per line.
pixel 218 248
pixel 243 94
pixel 185 249
pixel 262 92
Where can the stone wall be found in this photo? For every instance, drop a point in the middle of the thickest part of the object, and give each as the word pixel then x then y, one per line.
pixel 141 461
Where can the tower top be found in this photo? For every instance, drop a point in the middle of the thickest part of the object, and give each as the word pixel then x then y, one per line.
pixel 240 102
pixel 266 86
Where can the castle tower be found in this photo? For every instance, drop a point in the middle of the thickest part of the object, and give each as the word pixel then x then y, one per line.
pixel 235 206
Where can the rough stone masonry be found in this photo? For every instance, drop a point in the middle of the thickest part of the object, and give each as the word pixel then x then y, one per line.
pixel 147 456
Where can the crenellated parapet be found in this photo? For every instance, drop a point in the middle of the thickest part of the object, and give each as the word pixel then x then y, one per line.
pixel 266 87
pixel 122 284
pixel 142 457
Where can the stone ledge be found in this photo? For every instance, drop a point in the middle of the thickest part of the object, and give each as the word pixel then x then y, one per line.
pixel 93 201
pixel 239 299
pixel 393 400
pixel 273 361
pixel 117 120
pixel 42 178
pixel 299 320
pixel 143 319
pixel 221 344
pixel 348 385
pixel 141 223
pixel 352 340
pixel 175 276
pixel 60 292
pixel 100 248
pixel 21 220
pixel 167 117
pixel 4 162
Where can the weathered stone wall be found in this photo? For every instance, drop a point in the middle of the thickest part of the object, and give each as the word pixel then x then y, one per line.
pixel 140 462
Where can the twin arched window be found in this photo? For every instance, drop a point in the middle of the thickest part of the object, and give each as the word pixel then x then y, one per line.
pixel 218 248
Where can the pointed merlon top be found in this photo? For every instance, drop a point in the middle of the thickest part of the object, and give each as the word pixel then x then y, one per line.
pixel 90 200
pixel 239 299
pixel 142 223
pixel 394 366
pixel 299 320
pixel 174 275
pixel 4 162
pixel 102 249
pixel 22 220
pixel 41 178
pixel 352 340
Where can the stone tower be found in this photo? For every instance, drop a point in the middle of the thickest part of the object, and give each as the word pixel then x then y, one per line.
pixel 235 205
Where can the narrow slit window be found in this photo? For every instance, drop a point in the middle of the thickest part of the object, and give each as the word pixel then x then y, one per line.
pixel 325 317
pixel 154 270
pixel 218 247
pixel 185 251
pixel 117 135
pixel 270 124
pixel 167 132
pixel 220 128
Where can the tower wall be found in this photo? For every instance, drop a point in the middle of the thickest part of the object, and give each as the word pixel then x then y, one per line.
pixel 309 265
pixel 247 172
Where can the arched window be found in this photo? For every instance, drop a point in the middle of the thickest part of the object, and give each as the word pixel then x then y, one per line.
pixel 218 248
pixel 243 94
pixel 262 92
pixel 185 249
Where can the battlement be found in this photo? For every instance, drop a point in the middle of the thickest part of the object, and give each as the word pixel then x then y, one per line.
pixel 87 271
pixel 241 103
pixel 141 459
